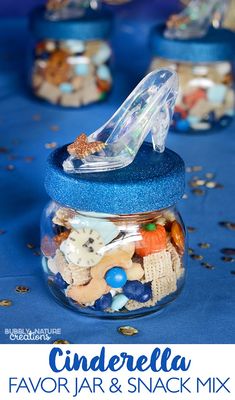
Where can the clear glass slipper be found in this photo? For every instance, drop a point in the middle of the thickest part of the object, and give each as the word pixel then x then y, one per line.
pixel 148 109
pixel 195 20
pixel 58 10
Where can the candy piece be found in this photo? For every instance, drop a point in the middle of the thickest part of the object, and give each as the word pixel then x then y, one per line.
pixel 103 85
pixel 81 69
pixel 109 261
pixel 182 125
pixel 106 229
pixel 202 126
pixel 58 70
pixel 92 47
pixel 58 239
pixel 49 92
pixel 59 281
pixel 37 81
pixel 164 286
pixel 66 87
pixel 77 82
pixel 153 239
pixel 193 97
pixel 146 295
pixel 202 107
pixel 133 290
pixel 73 46
pixel 177 236
pixel 62 217
pixel 157 265
pixel 180 113
pixel 88 293
pixel 225 121
pixel 201 70
pixel 102 55
pixel 48 246
pixel 119 301
pixel 103 73
pixel 216 93
pixel 83 247
pixel 136 272
pixel 223 68
pixel 176 260
pixel 90 93
pixel 58 263
pixel 81 148
pixel 116 277
pixel 50 45
pixel 71 99
pixel 103 302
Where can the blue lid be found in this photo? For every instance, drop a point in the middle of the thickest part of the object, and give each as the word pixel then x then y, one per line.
pixel 92 25
pixel 152 182
pixel 217 45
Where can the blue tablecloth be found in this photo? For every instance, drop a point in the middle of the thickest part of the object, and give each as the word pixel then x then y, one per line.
pixel 205 311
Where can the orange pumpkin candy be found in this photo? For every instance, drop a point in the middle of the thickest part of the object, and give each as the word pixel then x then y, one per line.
pixel 177 236
pixel 154 239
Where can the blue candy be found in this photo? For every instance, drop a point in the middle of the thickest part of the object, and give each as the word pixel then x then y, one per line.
pixel 59 281
pixel 66 87
pixel 81 69
pixel 224 121
pixel 116 277
pixel 147 295
pixel 103 73
pixel 182 125
pixel 119 301
pixel 103 302
pixel 134 290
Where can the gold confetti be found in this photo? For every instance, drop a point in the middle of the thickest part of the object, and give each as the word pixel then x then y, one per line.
pixel 191 229
pixel 5 303
pixel 204 245
pixel 54 128
pixel 51 145
pixel 22 289
pixel 128 330
pixel 228 259
pixel 10 167
pixel 61 341
pixel 207 265
pixel 198 192
pixel 196 257
pixel 36 117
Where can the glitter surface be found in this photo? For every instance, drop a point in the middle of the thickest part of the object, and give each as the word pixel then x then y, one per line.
pixel 153 181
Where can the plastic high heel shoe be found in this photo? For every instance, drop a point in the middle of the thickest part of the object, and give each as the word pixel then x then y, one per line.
pixel 195 20
pixel 58 10
pixel 148 109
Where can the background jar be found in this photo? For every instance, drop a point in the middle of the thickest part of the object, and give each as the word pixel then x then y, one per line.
pixel 105 252
pixel 70 61
pixel 206 94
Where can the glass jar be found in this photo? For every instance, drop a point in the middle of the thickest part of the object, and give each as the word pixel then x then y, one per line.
pixel 70 60
pixel 105 252
pixel 206 94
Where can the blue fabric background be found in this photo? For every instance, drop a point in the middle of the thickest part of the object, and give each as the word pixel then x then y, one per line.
pixel 204 313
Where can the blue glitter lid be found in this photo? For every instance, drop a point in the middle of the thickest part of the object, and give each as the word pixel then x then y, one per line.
pixel 93 25
pixel 217 45
pixel 152 182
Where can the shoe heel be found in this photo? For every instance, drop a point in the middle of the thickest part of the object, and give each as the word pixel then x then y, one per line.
pixel 219 14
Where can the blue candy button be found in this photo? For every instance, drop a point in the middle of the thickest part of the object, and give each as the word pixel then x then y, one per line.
pixel 116 277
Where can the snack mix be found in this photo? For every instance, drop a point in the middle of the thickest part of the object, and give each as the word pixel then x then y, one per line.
pixel 113 264
pixel 206 96
pixel 71 73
